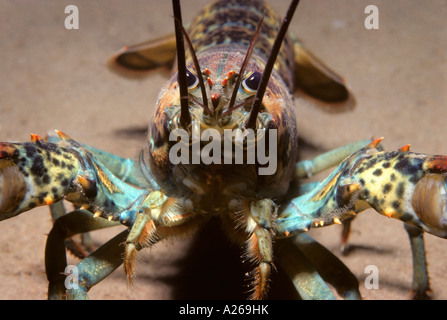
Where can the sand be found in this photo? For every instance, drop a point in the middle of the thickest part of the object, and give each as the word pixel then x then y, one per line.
pixel 54 78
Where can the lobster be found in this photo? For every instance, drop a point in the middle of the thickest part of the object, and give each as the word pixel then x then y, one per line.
pixel 24 170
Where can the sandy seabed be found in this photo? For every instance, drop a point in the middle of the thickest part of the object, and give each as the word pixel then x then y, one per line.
pixel 54 78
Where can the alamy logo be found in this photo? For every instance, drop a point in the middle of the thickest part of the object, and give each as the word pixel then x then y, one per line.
pixel 244 141
pixel 72 279
pixel 72 20
pixel 372 280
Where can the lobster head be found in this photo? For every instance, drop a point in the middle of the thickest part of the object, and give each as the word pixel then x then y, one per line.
pixel 220 88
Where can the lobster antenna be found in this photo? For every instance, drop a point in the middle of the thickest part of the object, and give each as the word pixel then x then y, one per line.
pixel 185 117
pixel 256 106
pixel 244 65
pixel 196 64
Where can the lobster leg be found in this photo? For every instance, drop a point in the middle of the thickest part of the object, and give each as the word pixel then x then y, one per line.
pixel 420 286
pixel 98 266
pixel 345 233
pixel 252 224
pixel 308 168
pixel 154 219
pixel 339 276
pixel 332 158
pixel 78 221
pixel 306 261
pixel 123 168
pixel 157 217
pixel 259 244
pixel 58 210
pixel 305 278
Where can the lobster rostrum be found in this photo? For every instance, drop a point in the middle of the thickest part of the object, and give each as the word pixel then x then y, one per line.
pixel 240 74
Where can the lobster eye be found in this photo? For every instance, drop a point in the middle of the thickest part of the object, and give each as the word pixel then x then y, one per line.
pixel 251 83
pixel 191 80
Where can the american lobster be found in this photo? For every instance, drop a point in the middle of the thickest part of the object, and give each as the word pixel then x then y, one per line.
pixel 169 200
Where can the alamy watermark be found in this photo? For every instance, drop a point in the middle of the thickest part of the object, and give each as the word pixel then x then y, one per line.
pixel 72 279
pixel 372 280
pixel 72 20
pixel 248 147
pixel 372 20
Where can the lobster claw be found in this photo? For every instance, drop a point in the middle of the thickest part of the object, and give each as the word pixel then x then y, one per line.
pixel 429 202
pixel 12 188
pixel 411 187
pixel 40 173
pixel 33 174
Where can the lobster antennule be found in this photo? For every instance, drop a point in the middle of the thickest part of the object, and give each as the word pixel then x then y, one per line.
pixel 196 64
pixel 185 117
pixel 256 106
pixel 244 65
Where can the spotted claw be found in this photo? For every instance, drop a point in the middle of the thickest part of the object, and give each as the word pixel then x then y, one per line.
pixel 400 184
pixel 411 187
pixel 40 173
pixel 429 202
pixel 33 174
